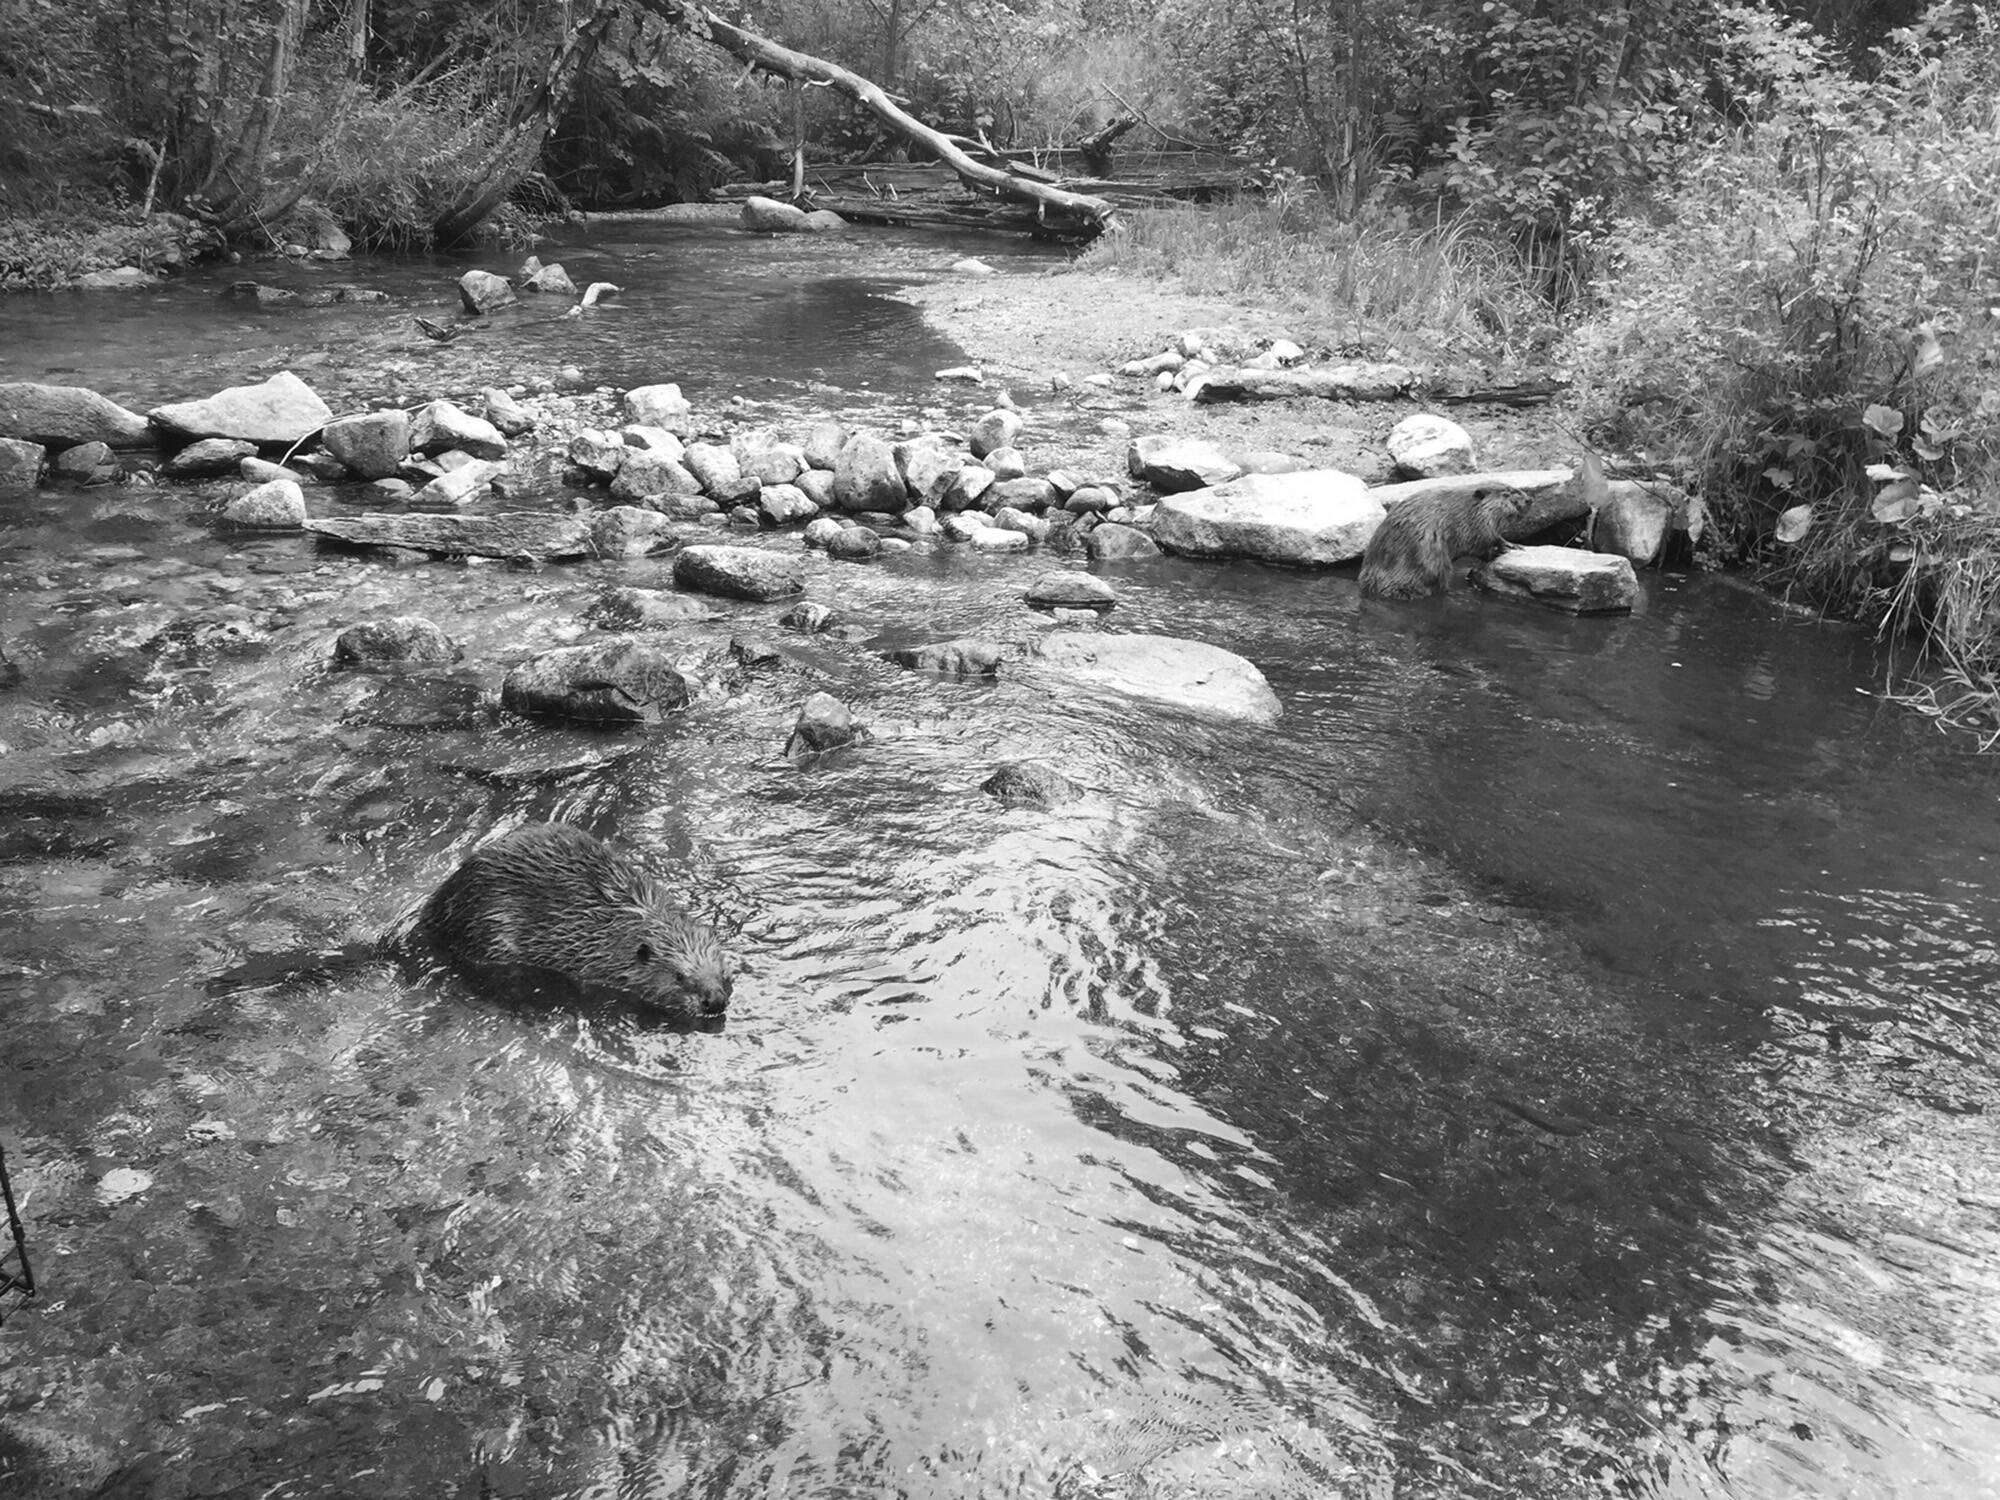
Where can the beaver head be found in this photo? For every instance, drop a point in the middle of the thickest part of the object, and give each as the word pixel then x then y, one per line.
pixel 660 955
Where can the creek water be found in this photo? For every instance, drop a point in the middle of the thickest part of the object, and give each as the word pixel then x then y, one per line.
pixel 1556 1058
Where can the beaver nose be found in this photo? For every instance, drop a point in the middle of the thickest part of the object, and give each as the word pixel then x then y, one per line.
pixel 715 996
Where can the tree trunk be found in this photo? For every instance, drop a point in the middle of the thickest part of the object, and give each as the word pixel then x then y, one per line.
pixel 1071 210
pixel 521 141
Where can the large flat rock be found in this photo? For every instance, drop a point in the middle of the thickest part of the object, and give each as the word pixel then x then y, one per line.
pixel 61 416
pixel 1565 578
pixel 274 412
pixel 1193 675
pixel 1312 518
pixel 519 534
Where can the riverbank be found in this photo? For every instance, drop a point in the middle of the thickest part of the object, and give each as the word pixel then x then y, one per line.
pixel 1041 335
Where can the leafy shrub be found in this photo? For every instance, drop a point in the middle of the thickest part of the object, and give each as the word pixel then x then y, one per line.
pixel 1814 298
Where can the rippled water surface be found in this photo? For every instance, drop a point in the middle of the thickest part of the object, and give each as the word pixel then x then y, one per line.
pixel 1555 1059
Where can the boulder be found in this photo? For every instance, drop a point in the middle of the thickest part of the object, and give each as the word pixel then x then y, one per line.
pixel 821 530
pixel 442 425
pixel 967 488
pixel 21 463
pixel 1191 675
pixel 653 440
pixel 928 465
pixel 505 413
pixel 1067 588
pixel 1090 500
pixel 823 221
pixel 810 618
pixel 965 657
pixel 1313 519
pixel 824 723
pixel 1171 464
pixel 1034 495
pixel 776 463
pixel 276 506
pixel 552 278
pixel 866 476
pixel 1012 518
pixel 997 429
pixel 1425 445
pixel 1634 519
pixel 482 292
pixel 373 445
pixel 619 682
pixel 854 544
pixel 963 526
pixel 630 531
pixel 207 459
pixel 277 412
pixel 456 487
pixel 1564 578
pixel 785 504
pixel 823 444
pixel 739 572
pixel 769 216
pixel 598 453
pixel 1007 463
pixel 64 415
pixel 660 405
pixel 1019 784
pixel 263 471
pixel 714 464
pixel 647 474
pixel 394 641
pixel 1000 539
pixel 89 463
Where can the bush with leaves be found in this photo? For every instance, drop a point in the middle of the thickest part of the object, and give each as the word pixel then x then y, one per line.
pixel 1815 299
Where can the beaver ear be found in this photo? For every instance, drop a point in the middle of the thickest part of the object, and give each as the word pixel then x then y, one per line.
pixel 645 953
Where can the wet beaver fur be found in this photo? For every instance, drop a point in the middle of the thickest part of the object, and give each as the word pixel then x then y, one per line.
pixel 552 897
pixel 1410 554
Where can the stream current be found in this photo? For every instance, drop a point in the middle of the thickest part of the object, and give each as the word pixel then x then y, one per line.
pixel 1557 1058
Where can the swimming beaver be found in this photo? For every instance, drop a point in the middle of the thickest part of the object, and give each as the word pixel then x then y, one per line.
pixel 1410 554
pixel 552 897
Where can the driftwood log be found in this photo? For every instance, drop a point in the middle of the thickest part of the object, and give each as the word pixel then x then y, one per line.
pixel 1065 212
pixel 517 534
pixel 1370 382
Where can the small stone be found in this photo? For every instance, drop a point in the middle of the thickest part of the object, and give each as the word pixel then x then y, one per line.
pixel 1066 588
pixel 276 506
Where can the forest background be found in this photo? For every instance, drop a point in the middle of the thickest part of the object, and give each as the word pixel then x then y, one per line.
pixel 1761 240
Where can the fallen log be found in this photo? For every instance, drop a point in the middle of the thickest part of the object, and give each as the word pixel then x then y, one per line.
pixel 517 534
pixel 1370 382
pixel 1362 382
pixel 1063 211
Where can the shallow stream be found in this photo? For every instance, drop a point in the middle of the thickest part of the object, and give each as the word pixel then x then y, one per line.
pixel 1557 1058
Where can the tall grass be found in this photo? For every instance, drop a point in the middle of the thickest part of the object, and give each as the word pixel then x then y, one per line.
pixel 1439 290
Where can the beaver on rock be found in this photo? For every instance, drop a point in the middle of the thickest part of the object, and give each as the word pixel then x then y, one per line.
pixel 1410 553
pixel 553 898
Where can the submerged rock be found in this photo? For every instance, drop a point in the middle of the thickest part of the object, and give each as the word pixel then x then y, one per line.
pixel 965 657
pixel 274 506
pixel 1019 784
pixel 1187 674
pixel 739 572
pixel 824 723
pixel 620 682
pixel 394 641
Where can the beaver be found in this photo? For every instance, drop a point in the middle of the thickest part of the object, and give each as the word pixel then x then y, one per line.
pixel 1410 554
pixel 554 898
